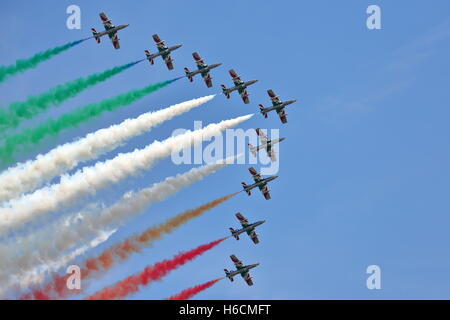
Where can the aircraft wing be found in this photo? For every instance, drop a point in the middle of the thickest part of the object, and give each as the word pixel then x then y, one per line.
pixel 265 191
pixel 247 278
pixel 169 62
pixel 199 61
pixel 159 43
pixel 115 41
pixel 255 174
pixel 244 96
pixel 262 136
pixel 242 220
pixel 273 97
pixel 282 115
pixel 236 261
pixel 207 78
pixel 236 79
pixel 254 237
pixel 272 155
pixel 106 22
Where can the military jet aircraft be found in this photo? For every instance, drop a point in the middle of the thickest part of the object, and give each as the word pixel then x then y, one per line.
pixel 277 105
pixel 259 182
pixel 265 144
pixel 110 30
pixel 163 51
pixel 246 227
pixel 203 69
pixel 240 269
pixel 239 85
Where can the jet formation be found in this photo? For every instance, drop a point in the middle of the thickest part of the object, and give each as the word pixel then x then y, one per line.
pixel 241 87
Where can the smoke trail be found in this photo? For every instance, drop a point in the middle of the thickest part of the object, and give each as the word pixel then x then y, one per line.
pixel 22 65
pixel 11 117
pixel 32 174
pixel 16 212
pixel 152 273
pixel 190 292
pixel 32 136
pixel 36 276
pixel 83 226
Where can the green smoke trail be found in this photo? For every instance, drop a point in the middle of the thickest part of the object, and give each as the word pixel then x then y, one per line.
pixel 32 136
pixel 22 65
pixel 10 118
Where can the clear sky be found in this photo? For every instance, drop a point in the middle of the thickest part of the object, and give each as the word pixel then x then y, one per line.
pixel 364 171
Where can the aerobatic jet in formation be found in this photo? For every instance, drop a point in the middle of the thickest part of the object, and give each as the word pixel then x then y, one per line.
pixel 110 30
pixel 202 68
pixel 259 182
pixel 247 227
pixel 277 105
pixel 239 85
pixel 240 269
pixel 163 51
pixel 265 144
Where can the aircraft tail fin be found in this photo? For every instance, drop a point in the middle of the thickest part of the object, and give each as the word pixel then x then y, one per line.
pixel 252 149
pixel 261 107
pixel 94 33
pixel 236 236
pixel 224 91
pixel 147 53
pixel 227 273
pixel 244 185
pixel 186 70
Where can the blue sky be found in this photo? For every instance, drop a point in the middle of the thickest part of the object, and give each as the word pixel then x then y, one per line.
pixel 364 171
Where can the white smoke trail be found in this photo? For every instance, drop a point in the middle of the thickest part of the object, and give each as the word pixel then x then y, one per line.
pixel 32 174
pixel 88 180
pixel 22 254
pixel 24 279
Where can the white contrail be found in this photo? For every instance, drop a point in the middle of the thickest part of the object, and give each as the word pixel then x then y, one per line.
pixel 16 212
pixel 22 254
pixel 24 279
pixel 32 174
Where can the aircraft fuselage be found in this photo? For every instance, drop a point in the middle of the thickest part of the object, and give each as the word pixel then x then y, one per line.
pixel 164 52
pixel 240 86
pixel 278 106
pixel 249 227
pixel 241 270
pixel 267 146
pixel 261 183
pixel 204 70
pixel 111 31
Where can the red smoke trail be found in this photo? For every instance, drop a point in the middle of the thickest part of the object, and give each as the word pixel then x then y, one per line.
pixel 56 288
pixel 190 292
pixel 155 272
